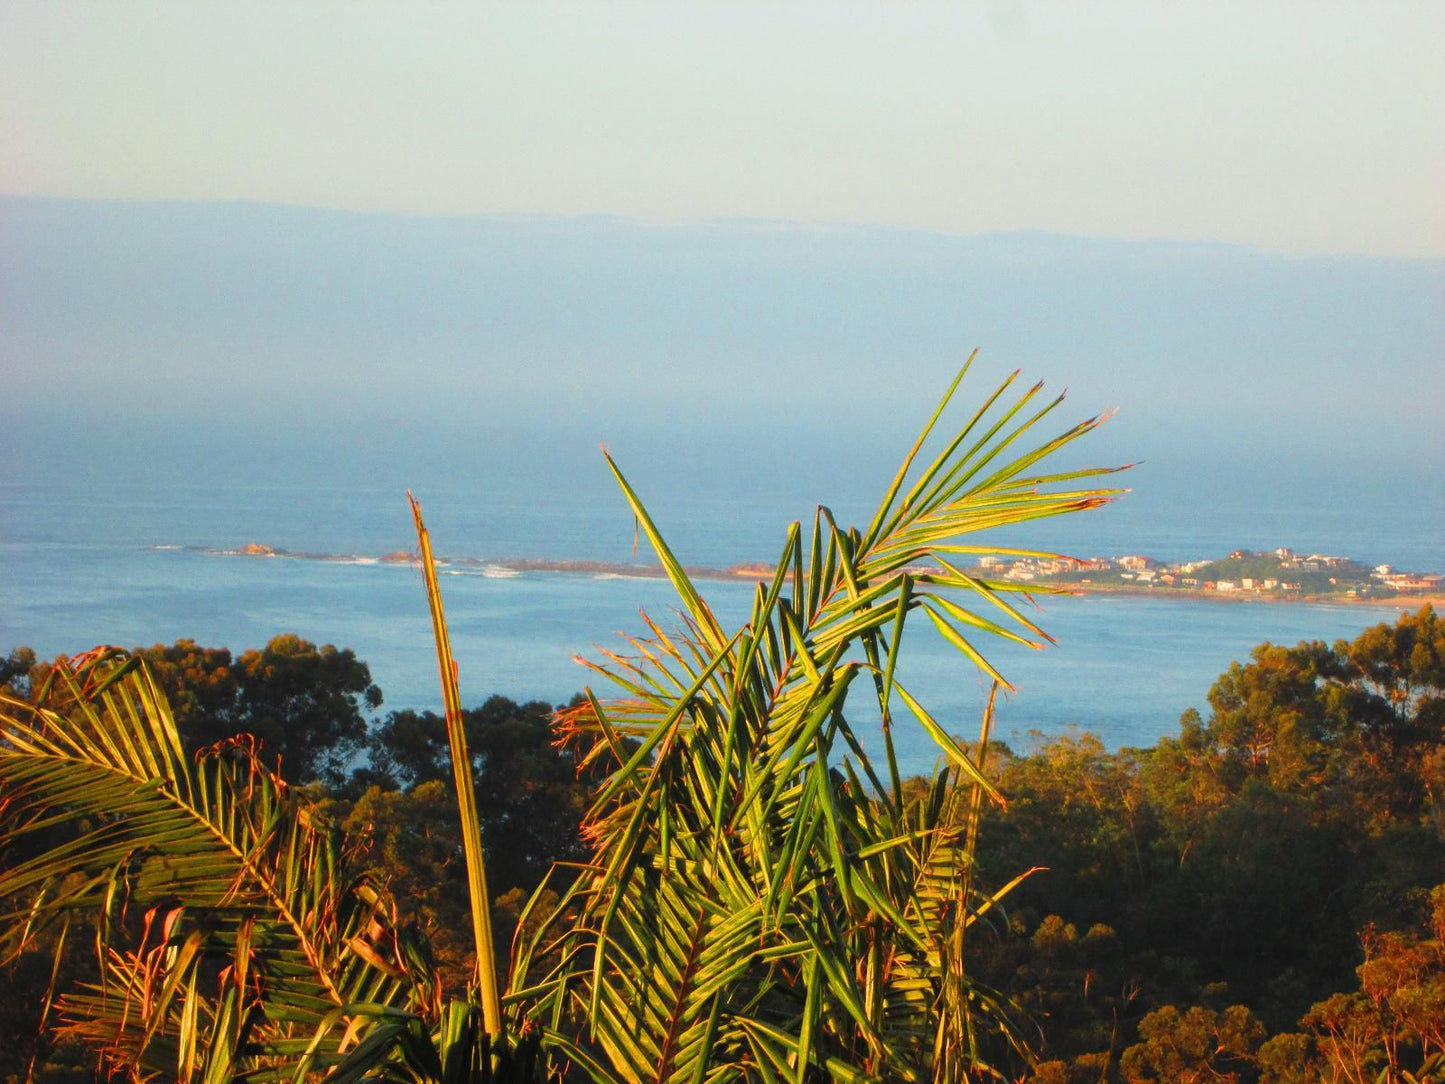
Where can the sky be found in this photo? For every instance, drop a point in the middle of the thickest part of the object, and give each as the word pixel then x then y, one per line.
pixel 1301 128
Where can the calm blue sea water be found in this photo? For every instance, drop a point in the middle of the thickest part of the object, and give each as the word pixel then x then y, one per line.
pixel 78 567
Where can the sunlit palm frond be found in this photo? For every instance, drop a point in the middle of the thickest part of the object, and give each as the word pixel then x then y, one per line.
pixel 743 800
pixel 223 908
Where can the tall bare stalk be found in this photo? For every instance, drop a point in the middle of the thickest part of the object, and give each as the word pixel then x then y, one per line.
pixel 466 795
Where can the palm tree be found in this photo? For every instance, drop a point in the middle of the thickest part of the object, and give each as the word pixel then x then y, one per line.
pixel 765 900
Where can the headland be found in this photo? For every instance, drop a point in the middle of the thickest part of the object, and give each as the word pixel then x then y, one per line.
pixel 1279 575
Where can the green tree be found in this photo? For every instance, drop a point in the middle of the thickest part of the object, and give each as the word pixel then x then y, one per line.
pixel 1268 717
pixel 1082 812
pixel 1290 1058
pixel 1243 855
pixel 1193 1046
pixel 1393 1026
pixel 1386 697
pixel 302 705
pixel 530 794
pixel 200 684
pixel 1403 663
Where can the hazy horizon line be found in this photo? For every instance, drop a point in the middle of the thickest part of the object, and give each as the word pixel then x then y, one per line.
pixel 821 226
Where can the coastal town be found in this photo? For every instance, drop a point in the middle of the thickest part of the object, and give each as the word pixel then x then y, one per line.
pixel 1279 573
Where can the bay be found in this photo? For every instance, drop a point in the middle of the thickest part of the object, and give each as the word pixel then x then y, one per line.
pixel 128 566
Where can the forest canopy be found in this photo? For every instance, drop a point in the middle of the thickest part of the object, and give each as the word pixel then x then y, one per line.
pixel 1255 899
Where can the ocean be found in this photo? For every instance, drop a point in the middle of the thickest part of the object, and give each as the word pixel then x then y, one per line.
pixel 135 565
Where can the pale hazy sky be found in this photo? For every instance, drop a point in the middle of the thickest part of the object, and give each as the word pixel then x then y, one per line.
pixel 1296 127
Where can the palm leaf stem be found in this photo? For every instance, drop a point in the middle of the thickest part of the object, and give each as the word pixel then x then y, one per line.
pixel 466 797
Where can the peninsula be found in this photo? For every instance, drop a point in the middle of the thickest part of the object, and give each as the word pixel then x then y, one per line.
pixel 1279 574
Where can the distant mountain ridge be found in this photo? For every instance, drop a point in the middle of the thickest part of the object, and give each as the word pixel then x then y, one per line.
pixel 740 351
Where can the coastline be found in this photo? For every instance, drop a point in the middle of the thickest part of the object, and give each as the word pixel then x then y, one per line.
pixel 504 567
pixel 1396 601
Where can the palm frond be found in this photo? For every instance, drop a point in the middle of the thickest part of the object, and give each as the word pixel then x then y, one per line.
pixel 763 900
pixel 480 898
pixel 224 909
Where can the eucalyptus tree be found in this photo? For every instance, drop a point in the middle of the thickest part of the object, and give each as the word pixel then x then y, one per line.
pixel 763 897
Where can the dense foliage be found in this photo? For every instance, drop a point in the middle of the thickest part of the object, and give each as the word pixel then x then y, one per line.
pixel 1254 899
pixel 302 703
